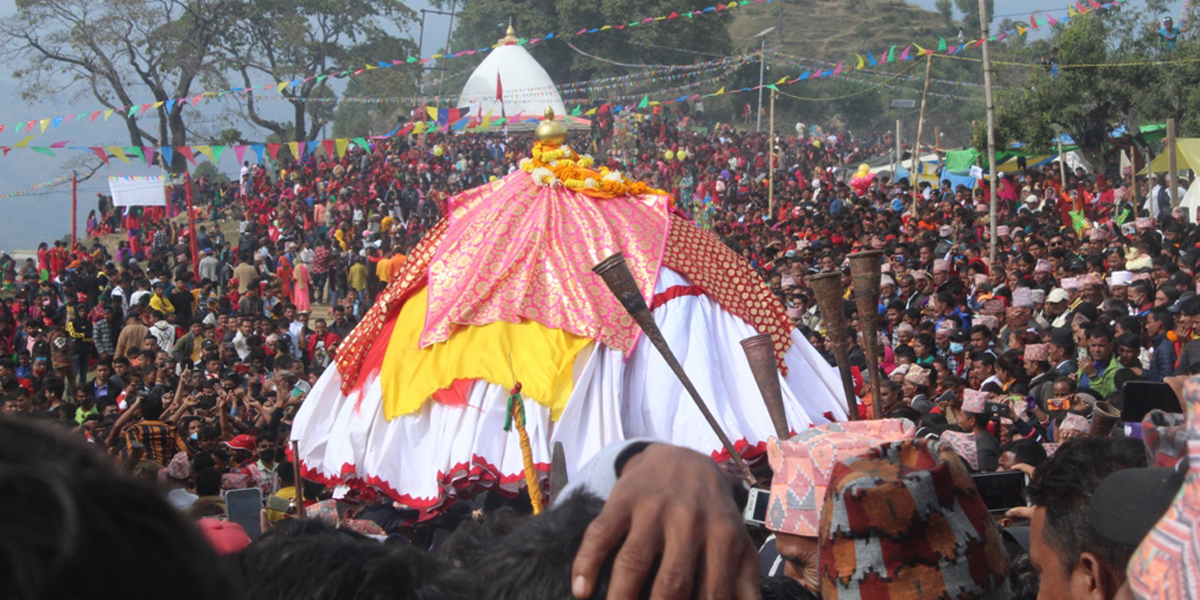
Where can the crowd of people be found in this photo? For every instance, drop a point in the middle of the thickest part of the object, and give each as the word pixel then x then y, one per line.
pixel 187 370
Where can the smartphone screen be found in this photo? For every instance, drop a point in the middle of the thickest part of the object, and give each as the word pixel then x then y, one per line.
pixel 242 506
pixel 757 505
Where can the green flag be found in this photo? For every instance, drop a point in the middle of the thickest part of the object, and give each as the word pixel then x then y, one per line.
pixel 1123 217
pixel 891 55
pixel 941 44
pixel 1079 220
pixel 576 112
pixel 362 143
pixel 645 102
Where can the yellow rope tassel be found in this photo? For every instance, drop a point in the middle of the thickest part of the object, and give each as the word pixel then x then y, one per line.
pixel 516 413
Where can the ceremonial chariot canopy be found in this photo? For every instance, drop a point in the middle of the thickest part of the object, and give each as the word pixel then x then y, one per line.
pixel 502 291
pixel 510 83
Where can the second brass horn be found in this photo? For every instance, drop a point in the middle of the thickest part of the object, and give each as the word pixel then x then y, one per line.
pixel 619 279
pixel 865 275
pixel 760 351
pixel 827 287
pixel 1104 418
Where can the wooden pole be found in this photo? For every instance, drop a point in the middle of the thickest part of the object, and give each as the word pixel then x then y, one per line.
pixel 1172 165
pixel 297 480
pixel 771 161
pixel 916 159
pixel 192 228
pixel 74 207
pixel 991 128
pixel 1062 165
pixel 921 119
pixel 1133 177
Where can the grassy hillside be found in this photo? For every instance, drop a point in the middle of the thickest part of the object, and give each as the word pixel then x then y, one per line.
pixel 834 29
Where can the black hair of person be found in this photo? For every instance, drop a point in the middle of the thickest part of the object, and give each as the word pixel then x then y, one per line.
pixel 87 531
pixel 1063 486
pixel 311 560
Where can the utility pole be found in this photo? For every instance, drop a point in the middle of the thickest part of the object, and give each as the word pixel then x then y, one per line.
pixel 762 63
pixel 771 161
pixel 896 165
pixel 991 129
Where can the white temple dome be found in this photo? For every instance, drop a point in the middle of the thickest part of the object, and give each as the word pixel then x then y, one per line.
pixel 525 86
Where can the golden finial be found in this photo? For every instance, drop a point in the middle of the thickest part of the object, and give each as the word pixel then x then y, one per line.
pixel 510 37
pixel 550 131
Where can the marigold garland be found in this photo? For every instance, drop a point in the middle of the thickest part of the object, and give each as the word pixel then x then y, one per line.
pixel 551 165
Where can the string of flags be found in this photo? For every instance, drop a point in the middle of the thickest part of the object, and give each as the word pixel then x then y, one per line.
pixel 279 86
pixel 36 187
pixel 891 55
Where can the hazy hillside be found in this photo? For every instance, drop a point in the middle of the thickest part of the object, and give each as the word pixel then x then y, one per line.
pixel 834 29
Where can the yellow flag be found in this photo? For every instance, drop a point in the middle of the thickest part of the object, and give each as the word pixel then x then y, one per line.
pixel 419 127
pixel 487 120
pixel 1020 29
pixel 606 27
pixel 119 152
pixel 158 104
pixel 921 51
pixel 206 151
pixel 24 142
pixel 295 148
pixel 44 123
pixel 861 62
pixel 590 112
pixel 371 67
pixel 720 91
pixel 432 112
pixel 782 80
pixel 1071 12
pixel 341 145
pixel 107 114
pixel 283 84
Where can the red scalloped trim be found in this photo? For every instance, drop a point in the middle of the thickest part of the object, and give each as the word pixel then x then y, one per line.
pixel 470 478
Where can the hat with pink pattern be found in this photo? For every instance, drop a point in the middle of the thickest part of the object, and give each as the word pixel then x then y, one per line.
pixel 964 446
pixel 975 401
pixel 1037 352
pixel 804 463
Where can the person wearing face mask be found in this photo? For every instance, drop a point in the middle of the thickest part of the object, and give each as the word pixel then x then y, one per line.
pixel 956 358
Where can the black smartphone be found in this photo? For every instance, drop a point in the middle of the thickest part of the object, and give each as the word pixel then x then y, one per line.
pixel 1001 490
pixel 996 410
pixel 242 506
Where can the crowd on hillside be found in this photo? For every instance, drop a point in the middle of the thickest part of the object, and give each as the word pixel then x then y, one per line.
pixel 188 374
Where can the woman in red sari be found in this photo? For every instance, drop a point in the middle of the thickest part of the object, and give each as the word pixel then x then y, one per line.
pixel 284 273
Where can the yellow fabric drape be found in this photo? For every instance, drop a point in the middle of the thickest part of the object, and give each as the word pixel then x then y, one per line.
pixel 543 360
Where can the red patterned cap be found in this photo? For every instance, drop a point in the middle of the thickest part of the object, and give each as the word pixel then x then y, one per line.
pixel 905 521
pixel 1166 565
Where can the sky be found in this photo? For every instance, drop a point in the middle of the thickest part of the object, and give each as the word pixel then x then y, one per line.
pixel 46 215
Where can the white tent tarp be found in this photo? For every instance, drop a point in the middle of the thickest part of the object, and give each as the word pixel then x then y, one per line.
pixel 138 191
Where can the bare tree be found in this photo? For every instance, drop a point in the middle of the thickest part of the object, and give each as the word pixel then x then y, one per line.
pixel 124 53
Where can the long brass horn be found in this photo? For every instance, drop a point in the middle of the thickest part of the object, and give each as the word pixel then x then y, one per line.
pixel 760 351
pixel 865 275
pixel 1104 417
pixel 617 276
pixel 827 287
